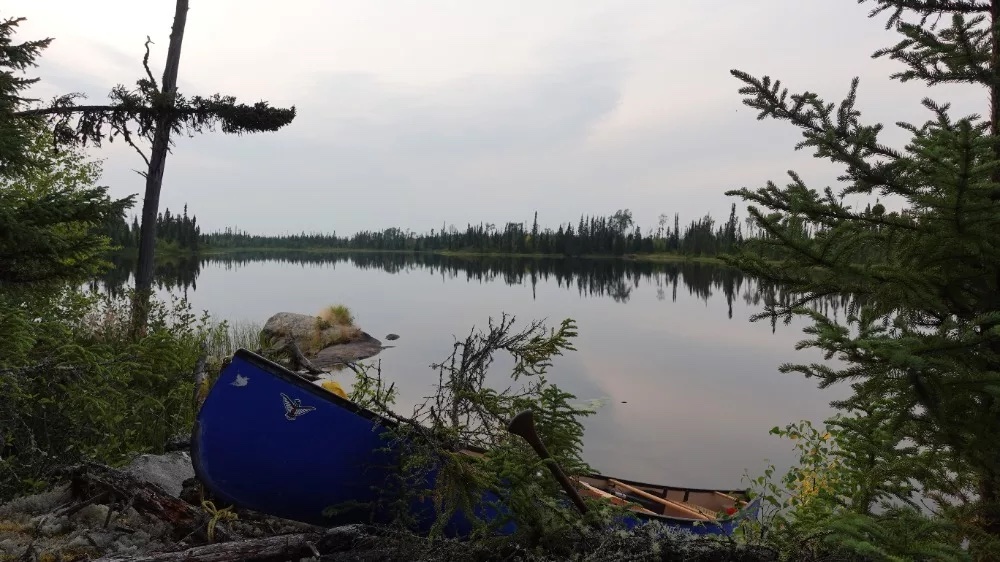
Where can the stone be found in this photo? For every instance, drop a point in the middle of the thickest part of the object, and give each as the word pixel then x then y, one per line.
pixel 310 333
pixel 333 355
pixel 325 345
pixel 168 471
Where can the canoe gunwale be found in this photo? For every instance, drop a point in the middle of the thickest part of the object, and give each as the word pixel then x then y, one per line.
pixel 314 389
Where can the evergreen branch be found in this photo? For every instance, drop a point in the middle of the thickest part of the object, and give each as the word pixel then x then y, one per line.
pixel 926 8
pixel 960 53
pixel 845 141
pixel 138 111
pixel 73 109
pixel 773 198
pixel 235 118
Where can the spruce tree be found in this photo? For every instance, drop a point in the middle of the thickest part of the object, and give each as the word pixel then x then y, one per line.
pixel 153 111
pixel 16 135
pixel 54 217
pixel 920 344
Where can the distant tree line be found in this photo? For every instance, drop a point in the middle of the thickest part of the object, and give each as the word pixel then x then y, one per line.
pixel 611 235
pixel 173 232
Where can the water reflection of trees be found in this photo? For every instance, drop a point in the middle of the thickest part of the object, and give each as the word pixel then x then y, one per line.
pixel 169 274
pixel 616 279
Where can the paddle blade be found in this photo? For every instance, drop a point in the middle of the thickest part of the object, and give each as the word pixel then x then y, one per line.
pixel 523 424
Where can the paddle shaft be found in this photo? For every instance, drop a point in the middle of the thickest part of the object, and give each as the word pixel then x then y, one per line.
pixel 523 424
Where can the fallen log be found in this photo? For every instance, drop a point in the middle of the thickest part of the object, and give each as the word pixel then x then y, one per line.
pixel 299 359
pixel 268 549
pixel 91 480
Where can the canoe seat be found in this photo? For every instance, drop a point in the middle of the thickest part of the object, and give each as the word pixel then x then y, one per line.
pixel 686 509
pixel 591 491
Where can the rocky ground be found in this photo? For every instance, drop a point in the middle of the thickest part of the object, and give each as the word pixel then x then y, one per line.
pixel 152 510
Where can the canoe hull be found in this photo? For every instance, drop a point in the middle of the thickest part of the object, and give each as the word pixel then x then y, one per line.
pixel 268 440
pixel 250 451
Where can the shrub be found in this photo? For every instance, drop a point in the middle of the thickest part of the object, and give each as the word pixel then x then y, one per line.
pixel 822 508
pixel 76 387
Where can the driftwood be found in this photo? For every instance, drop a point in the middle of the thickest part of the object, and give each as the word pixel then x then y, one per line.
pixel 285 540
pixel 299 359
pixel 93 480
pixel 281 547
pixel 268 549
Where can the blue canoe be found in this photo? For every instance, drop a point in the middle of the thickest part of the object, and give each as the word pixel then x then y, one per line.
pixel 269 440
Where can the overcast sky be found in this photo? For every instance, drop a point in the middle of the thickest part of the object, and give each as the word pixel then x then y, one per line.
pixel 414 114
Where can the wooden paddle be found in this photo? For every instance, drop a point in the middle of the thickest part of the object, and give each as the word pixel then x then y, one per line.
pixel 523 424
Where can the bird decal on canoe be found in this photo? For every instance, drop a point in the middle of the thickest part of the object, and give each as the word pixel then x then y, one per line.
pixel 294 407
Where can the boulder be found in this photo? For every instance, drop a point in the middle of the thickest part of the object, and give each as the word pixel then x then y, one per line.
pixel 324 343
pixel 362 348
pixel 168 471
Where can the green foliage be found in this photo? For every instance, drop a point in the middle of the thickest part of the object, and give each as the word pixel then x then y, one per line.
pixel 16 135
pixel 134 113
pixel 52 216
pixel 337 314
pixel 920 344
pixel 150 112
pixel 77 387
pixel 224 338
pixel 818 509
pixel 175 233
pixel 467 414
pixel 334 325
pixel 612 235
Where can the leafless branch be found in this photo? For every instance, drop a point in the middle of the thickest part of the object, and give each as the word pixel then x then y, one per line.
pixel 145 63
pixel 141 154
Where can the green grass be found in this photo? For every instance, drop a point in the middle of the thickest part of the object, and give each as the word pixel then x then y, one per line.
pixel 337 314
pixel 226 337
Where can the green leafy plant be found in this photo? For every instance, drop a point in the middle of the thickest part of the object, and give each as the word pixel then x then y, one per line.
pixel 78 387
pixel 818 509
pixel 912 239
pixel 466 415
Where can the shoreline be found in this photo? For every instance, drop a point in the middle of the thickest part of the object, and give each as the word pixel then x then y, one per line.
pixel 648 258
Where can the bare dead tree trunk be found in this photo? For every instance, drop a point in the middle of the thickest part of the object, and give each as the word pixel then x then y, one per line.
pixel 154 176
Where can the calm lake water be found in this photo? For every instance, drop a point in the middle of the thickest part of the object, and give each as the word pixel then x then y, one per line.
pixel 691 386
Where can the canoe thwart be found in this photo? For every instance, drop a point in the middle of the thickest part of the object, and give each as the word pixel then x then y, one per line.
pixel 694 513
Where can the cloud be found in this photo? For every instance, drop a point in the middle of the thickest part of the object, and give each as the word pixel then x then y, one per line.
pixel 414 114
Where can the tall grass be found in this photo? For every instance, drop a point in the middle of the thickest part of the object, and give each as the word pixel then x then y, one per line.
pixel 337 314
pixel 224 338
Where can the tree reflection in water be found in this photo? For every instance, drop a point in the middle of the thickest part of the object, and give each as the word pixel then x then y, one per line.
pixel 603 278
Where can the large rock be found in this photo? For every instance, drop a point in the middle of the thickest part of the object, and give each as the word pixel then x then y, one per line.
pixel 168 471
pixel 324 343
pixel 362 348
